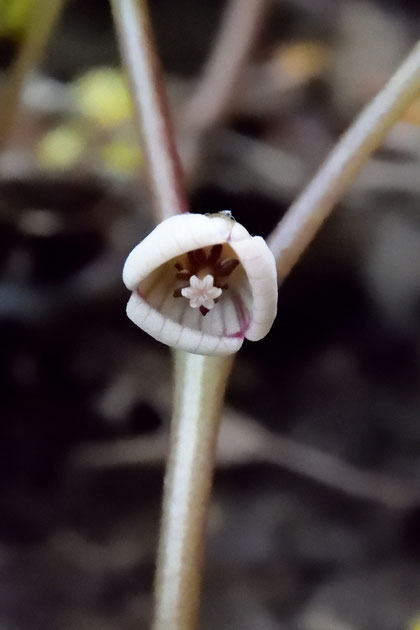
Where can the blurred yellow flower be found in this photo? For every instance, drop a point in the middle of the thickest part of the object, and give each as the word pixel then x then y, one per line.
pixel 102 95
pixel 414 624
pixel 61 148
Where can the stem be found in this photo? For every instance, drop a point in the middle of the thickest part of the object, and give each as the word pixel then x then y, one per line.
pixel 150 104
pixel 200 384
pixel 43 19
pixel 215 92
pixel 300 224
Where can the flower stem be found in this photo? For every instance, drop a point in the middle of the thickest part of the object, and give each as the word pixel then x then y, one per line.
pixel 43 19
pixel 150 105
pixel 300 224
pixel 200 384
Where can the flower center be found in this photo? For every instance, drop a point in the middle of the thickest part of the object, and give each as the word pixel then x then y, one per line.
pixel 202 292
pixel 205 272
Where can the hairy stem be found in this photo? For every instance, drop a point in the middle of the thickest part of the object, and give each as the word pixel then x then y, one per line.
pixel 300 224
pixel 43 19
pixel 200 384
pixel 150 104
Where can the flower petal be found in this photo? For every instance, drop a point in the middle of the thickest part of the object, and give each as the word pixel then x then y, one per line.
pixel 260 268
pixel 179 335
pixel 178 234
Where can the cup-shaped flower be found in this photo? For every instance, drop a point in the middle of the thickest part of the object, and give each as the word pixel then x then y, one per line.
pixel 202 283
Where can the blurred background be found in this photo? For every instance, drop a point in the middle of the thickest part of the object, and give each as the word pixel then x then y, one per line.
pixel 315 517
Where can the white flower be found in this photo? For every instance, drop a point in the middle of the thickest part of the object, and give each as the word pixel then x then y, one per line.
pixel 201 283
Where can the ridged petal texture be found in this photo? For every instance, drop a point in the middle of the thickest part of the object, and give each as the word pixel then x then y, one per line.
pixel 245 309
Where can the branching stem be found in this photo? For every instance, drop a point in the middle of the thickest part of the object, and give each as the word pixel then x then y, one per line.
pixel 302 221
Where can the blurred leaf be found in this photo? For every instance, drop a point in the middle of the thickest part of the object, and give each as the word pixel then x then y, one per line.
pixel 61 148
pixel 103 96
pixel 14 16
pixel 122 156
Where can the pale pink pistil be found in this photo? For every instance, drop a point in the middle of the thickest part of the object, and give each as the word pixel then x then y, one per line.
pixel 202 292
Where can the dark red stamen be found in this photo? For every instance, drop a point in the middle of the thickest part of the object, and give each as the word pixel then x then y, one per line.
pixel 214 255
pixel 225 267
pixel 197 259
pixel 183 275
pixel 204 310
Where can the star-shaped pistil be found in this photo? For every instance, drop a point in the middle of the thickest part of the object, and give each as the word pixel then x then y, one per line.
pixel 201 292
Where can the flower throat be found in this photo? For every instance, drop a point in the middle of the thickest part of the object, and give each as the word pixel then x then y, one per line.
pixel 202 278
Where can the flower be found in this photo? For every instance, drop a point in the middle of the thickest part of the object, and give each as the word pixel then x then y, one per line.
pixel 202 283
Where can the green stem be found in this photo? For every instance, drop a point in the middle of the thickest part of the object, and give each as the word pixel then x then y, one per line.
pixel 150 105
pixel 43 19
pixel 300 224
pixel 200 384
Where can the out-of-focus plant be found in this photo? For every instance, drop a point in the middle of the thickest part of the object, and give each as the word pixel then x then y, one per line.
pixel 121 156
pixel 61 148
pixel 102 98
pixel 98 131
pixel 297 62
pixel 42 17
pixel 14 17
pixel 102 95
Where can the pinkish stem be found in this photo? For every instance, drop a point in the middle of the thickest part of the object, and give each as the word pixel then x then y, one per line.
pixel 150 104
